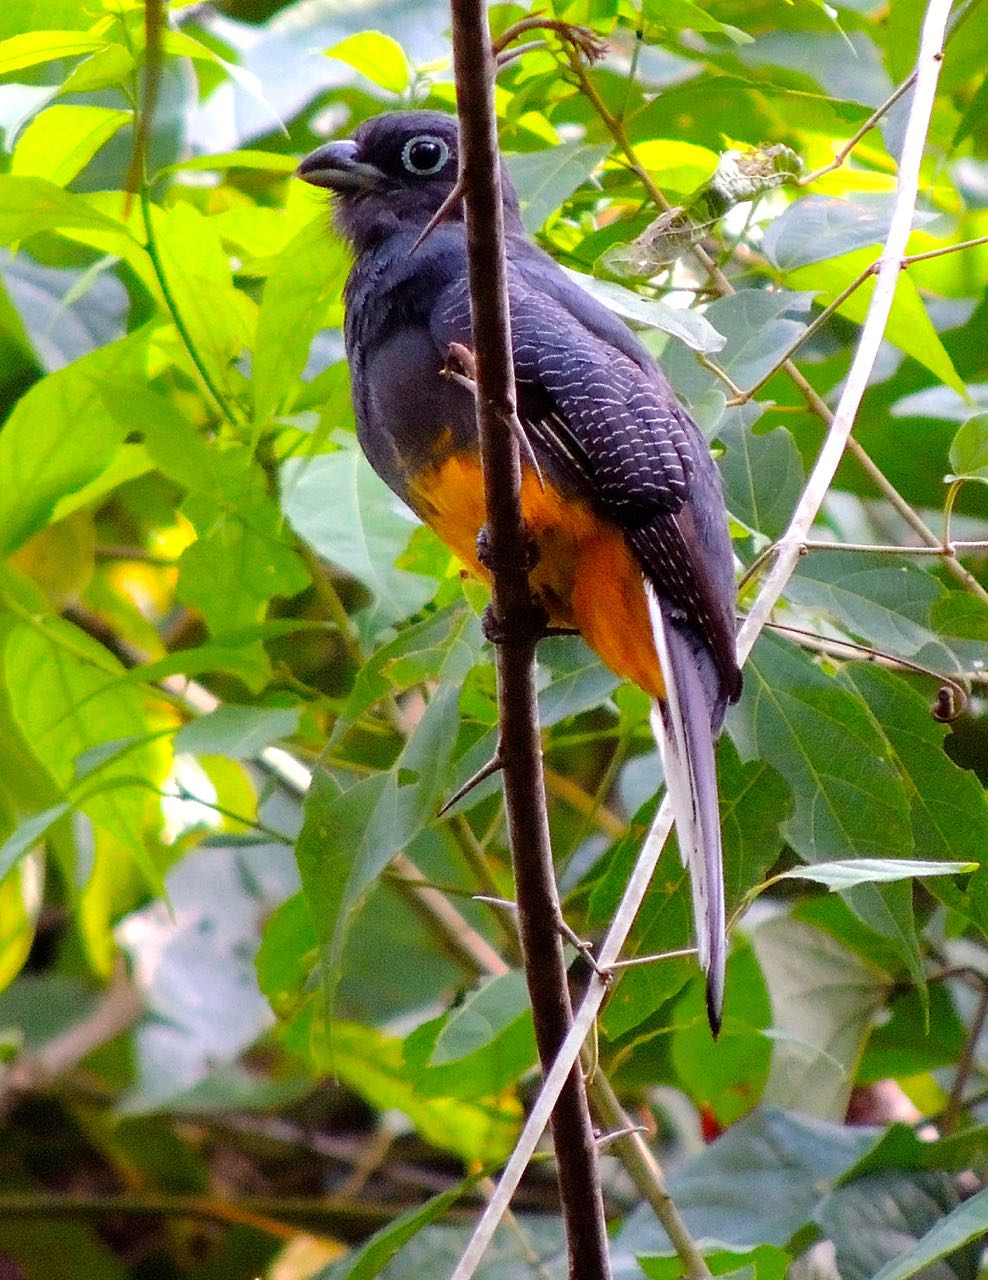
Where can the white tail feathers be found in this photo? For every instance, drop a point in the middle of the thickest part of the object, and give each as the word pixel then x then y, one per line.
pixel 681 725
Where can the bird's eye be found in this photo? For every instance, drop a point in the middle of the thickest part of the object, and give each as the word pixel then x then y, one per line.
pixel 424 155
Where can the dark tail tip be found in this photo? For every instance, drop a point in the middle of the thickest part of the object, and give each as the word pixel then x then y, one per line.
pixel 715 1003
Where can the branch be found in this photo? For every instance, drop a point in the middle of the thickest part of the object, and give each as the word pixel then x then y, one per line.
pixel 928 70
pixel 516 619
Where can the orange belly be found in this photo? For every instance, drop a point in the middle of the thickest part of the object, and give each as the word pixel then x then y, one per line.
pixel 586 575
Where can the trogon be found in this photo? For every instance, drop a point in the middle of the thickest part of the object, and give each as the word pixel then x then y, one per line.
pixel 626 507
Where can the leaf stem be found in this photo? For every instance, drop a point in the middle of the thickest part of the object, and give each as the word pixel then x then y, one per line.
pixel 154 253
pixel 841 155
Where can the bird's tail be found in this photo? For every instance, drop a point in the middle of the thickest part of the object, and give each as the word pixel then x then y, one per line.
pixel 682 727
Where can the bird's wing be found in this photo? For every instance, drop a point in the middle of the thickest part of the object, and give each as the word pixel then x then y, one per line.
pixel 616 428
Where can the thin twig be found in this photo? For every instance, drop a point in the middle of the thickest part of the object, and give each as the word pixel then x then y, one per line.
pixel 947 248
pixel 841 155
pixel 893 549
pixel 957 694
pixel 787 555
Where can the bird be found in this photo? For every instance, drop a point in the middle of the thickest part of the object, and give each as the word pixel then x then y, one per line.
pixel 619 491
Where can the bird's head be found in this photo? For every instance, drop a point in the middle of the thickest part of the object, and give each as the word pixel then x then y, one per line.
pixel 393 174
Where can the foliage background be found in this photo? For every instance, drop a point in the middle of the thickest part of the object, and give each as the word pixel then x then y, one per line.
pixel 227 1060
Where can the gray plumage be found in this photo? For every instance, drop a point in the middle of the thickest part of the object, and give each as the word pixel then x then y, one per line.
pixel 600 416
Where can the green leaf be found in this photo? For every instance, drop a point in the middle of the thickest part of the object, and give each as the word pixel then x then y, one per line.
pixel 374 1255
pixel 888 910
pixel 243 556
pixel 754 803
pixel 842 875
pixel 66 699
pixel 679 15
pixel 219 161
pixel 27 834
pixel 664 924
pixel 350 837
pixel 764 1262
pixel 909 327
pixel 890 1212
pixel 287 953
pixel 969 448
pixel 692 329
pixel 763 472
pixel 758 1184
pixel 107 67
pixel 377 56
pixel 33 48
pixel 443 646
pixel 902 1147
pixel 545 180
pixel 758 329
pixel 306 279
pixel 820 227
pixel 724 1077
pixel 848 793
pixel 919 1036
pixel 65 432
pixel 481 1047
pixel 240 733
pixel 182 45
pixel 698 109
pixel 948 806
pixel 884 601
pixel 370 1063
pixel 345 513
pixel 60 141
pixel 30 205
pixel 823 1002
pixel 217 317
pixel 578 680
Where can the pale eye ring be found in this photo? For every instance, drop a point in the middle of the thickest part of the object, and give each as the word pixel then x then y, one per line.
pixel 424 155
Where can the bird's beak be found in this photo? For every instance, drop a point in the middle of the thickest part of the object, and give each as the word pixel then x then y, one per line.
pixel 334 166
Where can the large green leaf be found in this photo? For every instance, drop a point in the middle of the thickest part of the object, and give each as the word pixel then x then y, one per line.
pixel 350 836
pixel 339 506
pixel 889 1226
pixel 545 179
pixel 443 646
pixel 305 280
pixel 62 140
pixel 238 732
pixel 948 805
pixel 820 227
pixel 698 109
pixel 724 1077
pixel 66 698
pixel 882 601
pixel 849 797
pixel 482 1046
pixel 217 319
pixel 909 327
pixel 763 472
pixel 66 431
pixel 969 448
pixel 243 556
pixel 823 1001
pixel 373 1256
pixel 377 56
pixel 480 1129
pixel 760 1183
